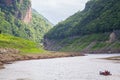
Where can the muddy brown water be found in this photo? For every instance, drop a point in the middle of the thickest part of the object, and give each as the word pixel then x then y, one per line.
pixel 72 68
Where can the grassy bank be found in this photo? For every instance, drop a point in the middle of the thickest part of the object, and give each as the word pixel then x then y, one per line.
pixel 24 46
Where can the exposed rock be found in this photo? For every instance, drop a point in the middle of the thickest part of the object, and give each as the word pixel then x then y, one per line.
pixel 28 16
pixel 51 45
pixel 112 37
pixel 8 50
pixel 24 15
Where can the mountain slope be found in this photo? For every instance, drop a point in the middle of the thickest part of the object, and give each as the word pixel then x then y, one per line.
pixel 39 26
pixel 98 17
pixel 18 19
pixel 24 46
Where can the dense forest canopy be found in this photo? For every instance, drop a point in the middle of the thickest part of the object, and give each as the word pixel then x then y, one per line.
pixel 99 16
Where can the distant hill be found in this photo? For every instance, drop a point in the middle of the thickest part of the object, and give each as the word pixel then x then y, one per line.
pixel 18 19
pixel 99 18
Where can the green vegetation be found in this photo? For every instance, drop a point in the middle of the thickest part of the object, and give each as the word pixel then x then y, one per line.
pixel 38 26
pixel 116 45
pixel 99 16
pixel 11 20
pixel 17 8
pixel 25 46
pixel 89 42
pixel 88 29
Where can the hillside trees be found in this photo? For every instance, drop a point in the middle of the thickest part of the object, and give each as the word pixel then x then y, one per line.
pixel 99 16
pixel 11 21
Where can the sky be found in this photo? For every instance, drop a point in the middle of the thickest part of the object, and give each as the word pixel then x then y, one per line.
pixel 58 10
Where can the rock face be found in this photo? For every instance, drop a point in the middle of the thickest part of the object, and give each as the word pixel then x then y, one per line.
pixel 28 16
pixel 8 50
pixel 112 37
pixel 21 10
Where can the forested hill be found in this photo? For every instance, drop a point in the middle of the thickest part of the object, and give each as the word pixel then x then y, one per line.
pixel 38 26
pixel 98 17
pixel 17 18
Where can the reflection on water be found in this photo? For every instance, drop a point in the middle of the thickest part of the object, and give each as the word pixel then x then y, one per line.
pixel 74 68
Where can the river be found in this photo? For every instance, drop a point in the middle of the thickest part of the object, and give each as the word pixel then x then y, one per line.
pixel 72 68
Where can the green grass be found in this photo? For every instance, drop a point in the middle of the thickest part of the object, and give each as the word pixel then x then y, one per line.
pixel 100 45
pixel 82 42
pixel 117 45
pixel 25 46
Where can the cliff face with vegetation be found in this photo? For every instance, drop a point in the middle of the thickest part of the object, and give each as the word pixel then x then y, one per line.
pixel 21 9
pixel 18 19
pixel 95 29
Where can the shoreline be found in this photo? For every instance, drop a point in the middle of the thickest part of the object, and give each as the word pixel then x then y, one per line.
pixel 117 58
pixel 12 57
pixel 9 58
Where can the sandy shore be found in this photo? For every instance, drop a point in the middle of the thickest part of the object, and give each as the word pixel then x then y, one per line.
pixel 114 58
pixel 11 57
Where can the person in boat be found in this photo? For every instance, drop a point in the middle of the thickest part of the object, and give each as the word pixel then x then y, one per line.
pixel 106 72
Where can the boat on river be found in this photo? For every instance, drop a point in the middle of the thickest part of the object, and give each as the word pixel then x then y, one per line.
pixel 105 73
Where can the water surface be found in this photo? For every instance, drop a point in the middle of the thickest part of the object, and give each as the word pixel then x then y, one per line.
pixel 72 68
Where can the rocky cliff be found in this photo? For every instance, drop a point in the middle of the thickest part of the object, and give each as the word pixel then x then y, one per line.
pixel 28 15
pixel 20 8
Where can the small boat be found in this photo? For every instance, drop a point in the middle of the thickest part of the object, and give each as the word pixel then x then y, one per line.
pixel 105 73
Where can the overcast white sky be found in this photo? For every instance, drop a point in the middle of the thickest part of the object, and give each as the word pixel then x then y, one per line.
pixel 58 10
